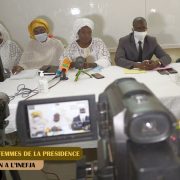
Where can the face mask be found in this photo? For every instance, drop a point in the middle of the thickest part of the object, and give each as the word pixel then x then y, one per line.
pixel 140 35
pixel 41 37
pixel 36 119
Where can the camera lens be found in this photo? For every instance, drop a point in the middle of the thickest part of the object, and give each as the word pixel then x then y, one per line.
pixel 149 128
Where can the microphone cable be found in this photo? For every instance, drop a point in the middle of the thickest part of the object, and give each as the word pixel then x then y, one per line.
pixel 25 92
pixel 48 88
pixel 55 84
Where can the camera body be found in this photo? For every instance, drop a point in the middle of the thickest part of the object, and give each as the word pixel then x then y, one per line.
pixel 135 129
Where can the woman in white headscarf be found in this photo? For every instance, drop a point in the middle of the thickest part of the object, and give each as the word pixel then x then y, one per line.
pixel 92 49
pixel 10 52
pixel 42 50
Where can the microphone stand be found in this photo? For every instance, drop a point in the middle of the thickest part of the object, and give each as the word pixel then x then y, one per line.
pixel 63 75
pixel 79 72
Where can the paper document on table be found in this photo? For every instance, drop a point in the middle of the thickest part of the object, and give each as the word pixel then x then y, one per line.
pixel 133 71
pixel 25 74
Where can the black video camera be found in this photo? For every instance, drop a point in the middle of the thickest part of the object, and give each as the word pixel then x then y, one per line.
pixel 135 130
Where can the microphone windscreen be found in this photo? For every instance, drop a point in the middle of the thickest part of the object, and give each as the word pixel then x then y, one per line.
pixel 79 63
pixel 65 65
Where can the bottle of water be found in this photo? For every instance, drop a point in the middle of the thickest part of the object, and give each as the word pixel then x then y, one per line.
pixel 43 83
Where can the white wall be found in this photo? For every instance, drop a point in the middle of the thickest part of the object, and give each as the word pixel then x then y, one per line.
pixel 163 21
pixel 113 18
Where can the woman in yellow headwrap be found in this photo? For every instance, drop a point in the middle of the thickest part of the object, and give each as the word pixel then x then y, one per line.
pixel 38 24
pixel 42 49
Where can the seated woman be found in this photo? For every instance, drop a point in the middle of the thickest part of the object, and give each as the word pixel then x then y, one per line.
pixel 92 49
pixel 10 52
pixel 41 50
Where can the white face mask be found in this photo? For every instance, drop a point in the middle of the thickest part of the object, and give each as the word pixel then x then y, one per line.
pixel 140 35
pixel 41 37
pixel 36 120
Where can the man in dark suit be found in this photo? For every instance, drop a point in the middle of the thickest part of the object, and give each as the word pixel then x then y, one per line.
pixel 81 121
pixel 136 49
pixel 78 124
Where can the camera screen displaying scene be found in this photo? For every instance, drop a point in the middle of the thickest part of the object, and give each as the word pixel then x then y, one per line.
pixel 59 118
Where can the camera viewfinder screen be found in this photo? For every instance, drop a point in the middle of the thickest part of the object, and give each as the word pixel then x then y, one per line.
pixel 59 118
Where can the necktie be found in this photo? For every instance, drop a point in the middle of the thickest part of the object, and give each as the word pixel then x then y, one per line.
pixel 140 51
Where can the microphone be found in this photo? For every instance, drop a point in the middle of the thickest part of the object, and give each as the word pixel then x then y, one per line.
pixel 58 74
pixel 64 67
pixel 79 63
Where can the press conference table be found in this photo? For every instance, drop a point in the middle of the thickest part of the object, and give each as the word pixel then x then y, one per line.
pixel 163 86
